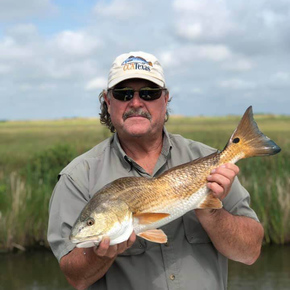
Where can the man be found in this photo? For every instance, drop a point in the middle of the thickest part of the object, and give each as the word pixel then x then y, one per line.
pixel 199 243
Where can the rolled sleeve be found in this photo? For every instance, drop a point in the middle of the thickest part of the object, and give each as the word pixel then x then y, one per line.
pixel 237 201
pixel 66 203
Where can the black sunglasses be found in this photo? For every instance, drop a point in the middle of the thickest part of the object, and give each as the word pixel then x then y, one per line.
pixel 146 94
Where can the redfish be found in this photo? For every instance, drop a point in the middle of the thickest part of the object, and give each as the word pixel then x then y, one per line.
pixel 144 205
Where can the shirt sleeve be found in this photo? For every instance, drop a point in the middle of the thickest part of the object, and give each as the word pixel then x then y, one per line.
pixel 237 201
pixel 67 201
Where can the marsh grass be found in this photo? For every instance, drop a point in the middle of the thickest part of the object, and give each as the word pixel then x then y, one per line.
pixel 33 153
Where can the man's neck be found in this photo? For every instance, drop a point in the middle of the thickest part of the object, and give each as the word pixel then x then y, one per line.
pixel 143 151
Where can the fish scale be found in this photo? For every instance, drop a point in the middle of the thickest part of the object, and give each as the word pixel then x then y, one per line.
pixel 143 205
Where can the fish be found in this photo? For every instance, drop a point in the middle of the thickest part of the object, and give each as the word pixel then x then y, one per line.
pixel 143 205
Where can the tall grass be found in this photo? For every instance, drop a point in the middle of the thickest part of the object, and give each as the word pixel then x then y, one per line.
pixel 33 153
pixel 25 196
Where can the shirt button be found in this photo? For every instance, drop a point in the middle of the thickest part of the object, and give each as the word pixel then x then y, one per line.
pixel 172 277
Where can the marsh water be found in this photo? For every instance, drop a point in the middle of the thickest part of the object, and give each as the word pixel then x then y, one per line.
pixel 39 271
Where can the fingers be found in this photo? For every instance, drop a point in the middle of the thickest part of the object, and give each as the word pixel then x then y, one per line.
pixel 221 179
pixel 105 250
pixel 131 240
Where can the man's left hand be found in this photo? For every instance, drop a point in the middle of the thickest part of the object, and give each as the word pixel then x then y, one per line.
pixel 221 179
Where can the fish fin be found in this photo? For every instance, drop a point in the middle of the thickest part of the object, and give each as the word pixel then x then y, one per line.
pixel 146 218
pixel 210 202
pixel 156 236
pixel 248 141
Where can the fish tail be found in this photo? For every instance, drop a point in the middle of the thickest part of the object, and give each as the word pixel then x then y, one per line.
pixel 248 141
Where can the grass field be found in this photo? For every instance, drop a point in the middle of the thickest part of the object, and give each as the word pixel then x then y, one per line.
pixel 33 152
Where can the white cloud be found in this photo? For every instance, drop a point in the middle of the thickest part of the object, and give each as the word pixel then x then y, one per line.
pixel 76 43
pixel 202 19
pixel 214 52
pixel 119 9
pixel 281 76
pixel 98 83
pixel 237 64
pixel 192 53
pixel 237 84
pixel 271 18
pixel 280 79
pixel 19 10
pixel 4 69
pixel 11 50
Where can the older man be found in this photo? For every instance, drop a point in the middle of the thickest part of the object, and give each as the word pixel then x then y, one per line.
pixel 134 106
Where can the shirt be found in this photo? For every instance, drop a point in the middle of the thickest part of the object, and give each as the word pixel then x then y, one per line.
pixel 187 261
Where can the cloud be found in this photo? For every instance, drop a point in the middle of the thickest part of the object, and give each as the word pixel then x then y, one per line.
pixel 237 64
pixel 237 84
pixel 54 55
pixel 280 79
pixel 191 53
pixel 98 83
pixel 76 43
pixel 4 69
pixel 118 9
pixel 204 19
pixel 11 50
pixel 12 10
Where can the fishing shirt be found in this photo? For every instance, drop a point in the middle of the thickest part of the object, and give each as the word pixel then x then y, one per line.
pixel 187 261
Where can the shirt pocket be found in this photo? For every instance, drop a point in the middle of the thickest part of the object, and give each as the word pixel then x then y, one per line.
pixel 139 247
pixel 194 232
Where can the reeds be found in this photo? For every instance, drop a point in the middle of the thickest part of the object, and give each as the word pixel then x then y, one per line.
pixel 268 181
pixel 26 196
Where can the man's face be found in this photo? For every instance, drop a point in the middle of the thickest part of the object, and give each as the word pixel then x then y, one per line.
pixel 136 118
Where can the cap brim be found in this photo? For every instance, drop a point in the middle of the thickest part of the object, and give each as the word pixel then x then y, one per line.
pixel 135 76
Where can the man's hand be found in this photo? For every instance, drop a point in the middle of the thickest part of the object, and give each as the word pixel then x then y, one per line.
pixel 105 250
pixel 220 180
pixel 238 238
pixel 83 267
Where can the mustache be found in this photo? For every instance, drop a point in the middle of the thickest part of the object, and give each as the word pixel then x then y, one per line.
pixel 136 112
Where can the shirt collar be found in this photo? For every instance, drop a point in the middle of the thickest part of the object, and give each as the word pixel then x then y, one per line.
pixel 127 161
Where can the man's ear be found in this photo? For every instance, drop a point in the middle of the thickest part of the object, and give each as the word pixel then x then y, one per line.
pixel 107 100
pixel 167 98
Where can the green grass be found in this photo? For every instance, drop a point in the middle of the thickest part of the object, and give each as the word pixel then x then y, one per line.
pixel 33 152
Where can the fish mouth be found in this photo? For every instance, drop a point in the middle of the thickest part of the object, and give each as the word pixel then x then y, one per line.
pixel 76 240
pixel 86 243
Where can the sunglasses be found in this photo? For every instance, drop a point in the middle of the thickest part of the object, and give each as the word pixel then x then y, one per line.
pixel 146 94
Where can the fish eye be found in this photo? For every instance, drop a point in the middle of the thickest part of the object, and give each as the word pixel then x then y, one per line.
pixel 236 140
pixel 90 222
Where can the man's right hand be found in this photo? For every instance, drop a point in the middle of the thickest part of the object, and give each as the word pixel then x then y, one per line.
pixel 105 250
pixel 83 267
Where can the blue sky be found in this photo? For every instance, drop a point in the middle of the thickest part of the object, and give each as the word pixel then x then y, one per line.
pixel 219 56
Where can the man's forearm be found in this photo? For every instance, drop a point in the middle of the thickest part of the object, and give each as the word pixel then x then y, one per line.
pixel 239 238
pixel 82 267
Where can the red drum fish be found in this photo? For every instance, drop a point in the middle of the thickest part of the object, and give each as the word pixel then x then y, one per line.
pixel 144 205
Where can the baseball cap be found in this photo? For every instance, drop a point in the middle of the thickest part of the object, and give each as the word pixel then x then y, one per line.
pixel 136 64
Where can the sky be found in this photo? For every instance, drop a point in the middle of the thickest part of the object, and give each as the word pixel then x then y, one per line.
pixel 218 56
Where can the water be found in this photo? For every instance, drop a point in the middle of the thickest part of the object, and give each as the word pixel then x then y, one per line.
pixel 271 271
pixel 40 271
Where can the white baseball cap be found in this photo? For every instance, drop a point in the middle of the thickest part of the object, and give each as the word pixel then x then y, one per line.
pixel 136 64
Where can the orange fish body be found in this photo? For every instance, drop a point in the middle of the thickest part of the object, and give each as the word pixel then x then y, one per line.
pixel 144 205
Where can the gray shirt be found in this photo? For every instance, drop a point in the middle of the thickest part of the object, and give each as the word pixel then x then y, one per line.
pixel 188 261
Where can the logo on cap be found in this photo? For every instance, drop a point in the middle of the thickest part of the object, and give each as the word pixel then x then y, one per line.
pixel 137 63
